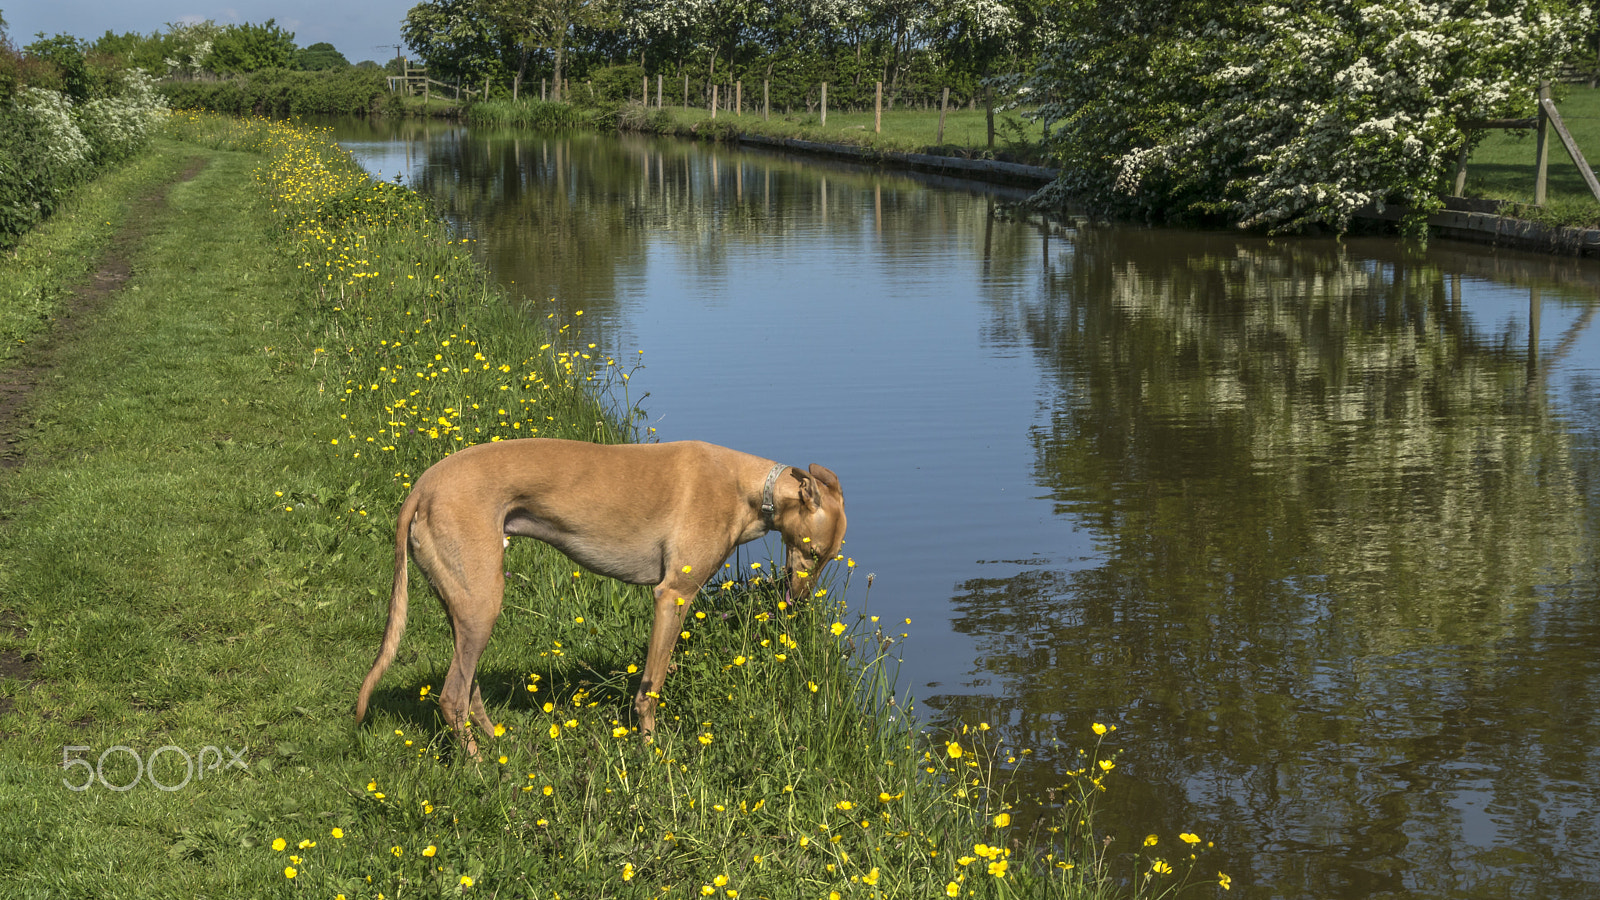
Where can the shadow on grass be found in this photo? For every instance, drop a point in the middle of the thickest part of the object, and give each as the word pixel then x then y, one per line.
pixel 597 682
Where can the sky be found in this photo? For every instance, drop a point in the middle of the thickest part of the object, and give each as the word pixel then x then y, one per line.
pixel 360 29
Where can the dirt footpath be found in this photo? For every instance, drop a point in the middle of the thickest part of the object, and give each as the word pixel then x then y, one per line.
pixel 108 274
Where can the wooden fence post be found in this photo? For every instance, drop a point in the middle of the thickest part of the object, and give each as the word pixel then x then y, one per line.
pixel 943 106
pixel 738 95
pixel 988 103
pixel 686 90
pixel 658 90
pixel 714 100
pixel 644 91
pixel 766 99
pixel 1541 150
pixel 1547 108
pixel 877 110
pixel 824 104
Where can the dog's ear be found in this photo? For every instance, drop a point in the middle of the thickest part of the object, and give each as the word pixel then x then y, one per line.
pixel 826 476
pixel 808 489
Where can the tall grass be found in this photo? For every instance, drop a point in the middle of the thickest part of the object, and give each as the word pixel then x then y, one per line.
pixel 527 113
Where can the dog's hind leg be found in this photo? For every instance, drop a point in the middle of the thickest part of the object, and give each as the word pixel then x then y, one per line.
pixel 469 577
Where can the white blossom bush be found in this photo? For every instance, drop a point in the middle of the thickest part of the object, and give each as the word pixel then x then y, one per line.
pixel 50 114
pixel 1285 115
pixel 48 146
pixel 42 156
pixel 119 126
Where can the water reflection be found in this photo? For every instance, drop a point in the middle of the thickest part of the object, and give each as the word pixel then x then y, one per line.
pixel 1346 587
pixel 1314 522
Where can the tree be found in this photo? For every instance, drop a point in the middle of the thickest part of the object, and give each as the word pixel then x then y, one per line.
pixel 251 48
pixel 186 47
pixel 1284 115
pixel 547 25
pixel 454 39
pixel 319 57
pixel 65 56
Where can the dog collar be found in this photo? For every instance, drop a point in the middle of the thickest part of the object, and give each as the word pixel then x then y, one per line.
pixel 769 506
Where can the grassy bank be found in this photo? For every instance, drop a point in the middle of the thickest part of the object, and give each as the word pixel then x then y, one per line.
pixel 909 131
pixel 906 130
pixel 194 566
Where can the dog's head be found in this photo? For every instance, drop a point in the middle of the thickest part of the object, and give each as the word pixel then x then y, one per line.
pixel 812 526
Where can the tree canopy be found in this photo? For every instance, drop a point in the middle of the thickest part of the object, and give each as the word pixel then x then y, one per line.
pixel 319 57
pixel 907 44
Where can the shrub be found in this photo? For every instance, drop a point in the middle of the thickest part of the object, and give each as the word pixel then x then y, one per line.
pixel 48 146
pixel 283 92
pixel 120 126
pixel 610 86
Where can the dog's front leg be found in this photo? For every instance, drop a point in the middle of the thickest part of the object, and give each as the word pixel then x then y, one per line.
pixel 673 597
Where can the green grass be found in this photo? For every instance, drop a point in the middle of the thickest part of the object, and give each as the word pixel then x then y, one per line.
pixel 36 276
pixel 1502 166
pixel 195 562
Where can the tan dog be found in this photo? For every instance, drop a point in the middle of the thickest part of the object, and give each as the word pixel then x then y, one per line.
pixel 661 514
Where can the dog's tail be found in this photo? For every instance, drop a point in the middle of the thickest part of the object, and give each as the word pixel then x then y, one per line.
pixel 397 605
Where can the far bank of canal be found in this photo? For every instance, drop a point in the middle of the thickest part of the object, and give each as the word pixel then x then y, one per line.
pixel 1314 523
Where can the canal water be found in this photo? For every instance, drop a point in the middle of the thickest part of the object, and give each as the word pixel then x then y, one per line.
pixel 1313 523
